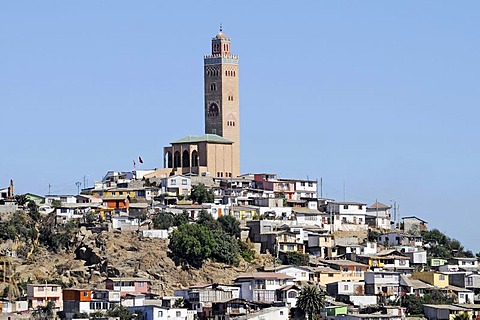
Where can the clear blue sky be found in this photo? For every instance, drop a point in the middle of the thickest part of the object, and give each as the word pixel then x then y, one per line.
pixel 381 96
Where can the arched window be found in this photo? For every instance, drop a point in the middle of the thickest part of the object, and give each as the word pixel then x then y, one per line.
pixel 168 159
pixel 226 72
pixel 194 158
pixel 234 73
pixel 292 294
pixel 185 159
pixel 176 160
pixel 213 87
pixel 213 110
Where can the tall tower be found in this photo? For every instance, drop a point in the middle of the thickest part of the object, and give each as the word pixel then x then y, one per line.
pixel 222 107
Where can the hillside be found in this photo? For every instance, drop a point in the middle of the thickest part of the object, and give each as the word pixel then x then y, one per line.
pixel 121 254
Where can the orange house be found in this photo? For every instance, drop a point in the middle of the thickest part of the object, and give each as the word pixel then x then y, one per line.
pixel 120 202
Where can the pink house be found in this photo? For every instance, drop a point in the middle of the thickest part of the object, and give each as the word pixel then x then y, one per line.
pixel 128 285
pixel 40 294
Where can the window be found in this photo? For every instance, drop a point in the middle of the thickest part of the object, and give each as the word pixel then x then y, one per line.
pixel 160 314
pixel 310 184
pixel 345 206
pixel 85 293
pixel 292 294
pixel 304 274
pixel 360 207
pixel 345 269
pixel 302 184
pixel 345 287
pixel 173 182
pixel 402 262
pixel 184 182
pixel 281 313
pixel 141 284
pixel 54 288
pixel 39 299
pixel 213 87
pixel 330 275
pixel 41 289
pixel 178 314
pixel 441 277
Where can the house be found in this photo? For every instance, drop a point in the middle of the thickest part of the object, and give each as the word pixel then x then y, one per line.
pixel 351 292
pixel 262 286
pixel 298 273
pixel 18 306
pixel 378 216
pixel 175 186
pixel 320 244
pixel 444 312
pixel 289 241
pixel 418 258
pixel 7 193
pixel 311 217
pixel 457 264
pixel 303 189
pixel 202 297
pixel 281 188
pixel 462 295
pixel 328 271
pixel 437 279
pixel 375 316
pixel 87 301
pixel 384 284
pixel 414 286
pixel 38 295
pixel 128 285
pixel 414 225
pixel 399 239
pixel 437 262
pixel 347 213
pixel 240 309
pixel 157 312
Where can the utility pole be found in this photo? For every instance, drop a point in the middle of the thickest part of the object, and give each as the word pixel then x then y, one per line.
pixel 49 186
pixel 321 187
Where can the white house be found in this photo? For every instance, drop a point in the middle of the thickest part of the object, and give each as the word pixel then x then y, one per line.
pixel 157 312
pixel 262 286
pixel 347 212
pixel 378 216
pixel 298 273
pixel 383 284
pixel 175 186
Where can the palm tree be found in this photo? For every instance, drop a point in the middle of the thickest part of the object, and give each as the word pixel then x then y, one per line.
pixel 311 301
pixel 462 316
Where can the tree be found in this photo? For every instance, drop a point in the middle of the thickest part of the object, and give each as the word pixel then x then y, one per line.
pixel 311 301
pixel 226 249
pixel 297 259
pixel 200 194
pixel 181 218
pixel 21 199
pixel 120 312
pixel 230 225
pixel 205 219
pixel 163 220
pixel 413 303
pixel 192 243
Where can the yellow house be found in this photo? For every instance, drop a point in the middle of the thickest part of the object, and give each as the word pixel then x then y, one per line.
pixel 338 270
pixel 290 242
pixel 437 279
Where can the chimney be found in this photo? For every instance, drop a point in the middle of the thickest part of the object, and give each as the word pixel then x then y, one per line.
pixel 10 189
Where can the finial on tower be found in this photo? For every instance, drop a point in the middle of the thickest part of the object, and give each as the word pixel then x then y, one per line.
pixel 221 28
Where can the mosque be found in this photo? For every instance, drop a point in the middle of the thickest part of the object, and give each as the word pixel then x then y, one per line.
pixel 217 152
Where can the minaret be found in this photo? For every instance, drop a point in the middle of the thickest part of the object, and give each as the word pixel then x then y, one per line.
pixel 222 108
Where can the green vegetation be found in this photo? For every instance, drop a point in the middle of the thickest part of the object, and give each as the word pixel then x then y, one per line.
pixel 311 301
pixel 201 194
pixel 414 304
pixel 297 259
pixel 441 246
pixel 230 225
pixel 209 239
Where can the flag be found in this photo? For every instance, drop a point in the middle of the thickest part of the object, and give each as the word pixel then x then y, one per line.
pixel 134 164
pixel 140 159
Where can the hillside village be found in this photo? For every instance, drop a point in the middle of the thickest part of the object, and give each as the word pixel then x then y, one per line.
pixel 196 239
pixel 367 262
